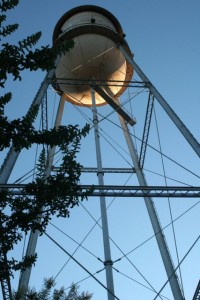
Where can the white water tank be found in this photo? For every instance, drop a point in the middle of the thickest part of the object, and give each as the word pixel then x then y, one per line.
pixel 95 56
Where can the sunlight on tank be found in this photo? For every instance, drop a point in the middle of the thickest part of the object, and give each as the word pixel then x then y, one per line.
pixel 95 56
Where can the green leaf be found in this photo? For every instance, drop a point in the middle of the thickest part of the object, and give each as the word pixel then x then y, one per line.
pixel 8 4
pixel 7 30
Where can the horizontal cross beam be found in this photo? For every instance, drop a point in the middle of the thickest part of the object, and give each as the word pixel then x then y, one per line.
pixel 123 191
pixel 105 170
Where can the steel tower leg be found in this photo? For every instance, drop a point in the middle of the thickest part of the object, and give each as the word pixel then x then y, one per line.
pixel 25 275
pixel 12 155
pixel 180 125
pixel 164 251
pixel 107 253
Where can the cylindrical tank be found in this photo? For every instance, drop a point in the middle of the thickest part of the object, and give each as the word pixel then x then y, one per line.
pixel 95 56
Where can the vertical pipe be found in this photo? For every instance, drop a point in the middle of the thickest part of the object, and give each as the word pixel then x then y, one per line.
pixel 180 125
pixel 164 251
pixel 106 242
pixel 31 247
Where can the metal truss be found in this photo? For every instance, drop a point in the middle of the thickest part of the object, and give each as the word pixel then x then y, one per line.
pixel 6 289
pixel 44 108
pixel 105 170
pixel 197 293
pixel 146 129
pixel 123 191
pixel 99 82
pixel 5 283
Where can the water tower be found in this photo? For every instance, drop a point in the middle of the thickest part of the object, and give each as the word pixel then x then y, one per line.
pixel 94 73
pixel 95 56
pixel 98 73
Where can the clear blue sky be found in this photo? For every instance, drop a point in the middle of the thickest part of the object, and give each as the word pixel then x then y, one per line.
pixel 165 39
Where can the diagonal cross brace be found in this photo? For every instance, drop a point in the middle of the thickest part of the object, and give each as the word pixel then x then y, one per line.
pixel 114 105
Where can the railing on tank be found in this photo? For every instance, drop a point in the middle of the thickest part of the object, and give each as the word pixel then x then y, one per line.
pixel 86 24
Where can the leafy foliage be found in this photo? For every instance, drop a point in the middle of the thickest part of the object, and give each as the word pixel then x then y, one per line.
pixel 7 29
pixel 16 58
pixel 8 4
pixel 21 133
pixel 42 198
pixel 49 291
pixel 46 196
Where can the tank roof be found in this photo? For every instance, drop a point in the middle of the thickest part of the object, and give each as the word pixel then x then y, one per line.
pixel 85 8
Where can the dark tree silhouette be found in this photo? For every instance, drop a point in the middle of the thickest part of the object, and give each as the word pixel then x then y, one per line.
pixel 48 291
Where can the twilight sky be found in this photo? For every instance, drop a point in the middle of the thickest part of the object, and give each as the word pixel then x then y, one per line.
pixel 165 39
